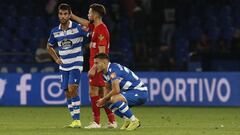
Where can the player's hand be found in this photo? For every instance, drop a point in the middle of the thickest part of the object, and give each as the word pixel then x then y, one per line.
pixel 59 61
pixel 92 72
pixel 101 102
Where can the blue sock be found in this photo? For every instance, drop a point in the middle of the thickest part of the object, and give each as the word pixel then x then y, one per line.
pixel 117 112
pixel 122 110
pixel 70 107
pixel 76 108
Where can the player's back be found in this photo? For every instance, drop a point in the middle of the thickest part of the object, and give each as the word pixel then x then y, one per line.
pixel 128 79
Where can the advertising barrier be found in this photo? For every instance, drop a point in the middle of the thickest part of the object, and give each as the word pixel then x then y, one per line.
pixel 165 89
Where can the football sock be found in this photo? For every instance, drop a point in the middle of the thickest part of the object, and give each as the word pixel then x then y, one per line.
pixel 110 115
pixel 70 107
pixel 76 107
pixel 122 110
pixel 95 109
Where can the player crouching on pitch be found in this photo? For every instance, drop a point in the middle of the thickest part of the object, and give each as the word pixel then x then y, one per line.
pixel 127 90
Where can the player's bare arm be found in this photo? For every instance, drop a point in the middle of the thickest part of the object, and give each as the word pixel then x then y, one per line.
pixel 92 71
pixel 54 55
pixel 115 90
pixel 102 49
pixel 80 20
pixel 107 89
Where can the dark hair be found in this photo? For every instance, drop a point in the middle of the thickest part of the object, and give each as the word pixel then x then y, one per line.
pixel 101 56
pixel 64 6
pixel 100 9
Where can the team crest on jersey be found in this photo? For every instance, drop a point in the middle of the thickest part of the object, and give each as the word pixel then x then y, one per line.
pixel 100 37
pixel 66 44
pixel 113 75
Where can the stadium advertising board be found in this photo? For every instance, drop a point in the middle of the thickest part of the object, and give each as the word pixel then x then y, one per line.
pixel 166 89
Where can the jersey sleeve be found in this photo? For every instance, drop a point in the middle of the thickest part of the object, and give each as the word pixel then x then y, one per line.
pixel 83 31
pixel 52 40
pixel 102 38
pixel 115 73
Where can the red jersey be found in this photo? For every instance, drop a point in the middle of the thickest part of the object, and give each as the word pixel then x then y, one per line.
pixel 100 37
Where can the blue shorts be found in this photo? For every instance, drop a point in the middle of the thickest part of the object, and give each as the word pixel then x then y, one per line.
pixel 69 77
pixel 135 97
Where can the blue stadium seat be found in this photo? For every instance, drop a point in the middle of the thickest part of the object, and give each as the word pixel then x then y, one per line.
pixel 24 33
pixel 53 21
pixel 39 33
pixel 10 22
pixel 17 45
pixel 33 45
pixel 194 21
pixel 4 45
pixel 214 33
pixel 228 33
pixel 195 34
pixel 25 22
pixel 210 22
pixel 40 22
pixel 5 33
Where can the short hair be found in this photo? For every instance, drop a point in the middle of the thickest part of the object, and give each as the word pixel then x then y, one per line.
pixel 100 9
pixel 102 56
pixel 64 6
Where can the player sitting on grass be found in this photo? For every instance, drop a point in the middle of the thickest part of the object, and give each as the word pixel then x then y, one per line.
pixel 127 90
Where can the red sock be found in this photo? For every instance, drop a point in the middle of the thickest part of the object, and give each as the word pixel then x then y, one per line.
pixel 110 115
pixel 95 109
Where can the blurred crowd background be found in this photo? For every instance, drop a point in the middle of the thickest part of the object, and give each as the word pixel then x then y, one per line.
pixel 146 35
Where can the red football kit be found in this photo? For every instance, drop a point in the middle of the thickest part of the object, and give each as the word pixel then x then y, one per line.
pixel 100 37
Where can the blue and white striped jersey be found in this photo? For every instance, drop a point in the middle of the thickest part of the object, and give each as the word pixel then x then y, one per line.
pixel 128 80
pixel 69 44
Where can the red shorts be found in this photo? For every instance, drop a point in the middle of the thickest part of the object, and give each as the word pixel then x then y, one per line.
pixel 97 80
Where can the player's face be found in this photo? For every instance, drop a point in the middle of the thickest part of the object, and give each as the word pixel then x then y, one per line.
pixel 91 15
pixel 64 16
pixel 99 64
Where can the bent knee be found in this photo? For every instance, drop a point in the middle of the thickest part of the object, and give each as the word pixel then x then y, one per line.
pixel 117 98
pixel 114 99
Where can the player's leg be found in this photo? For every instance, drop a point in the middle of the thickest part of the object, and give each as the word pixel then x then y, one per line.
pixel 111 118
pixel 120 106
pixel 93 93
pixel 135 98
pixel 74 79
pixel 64 86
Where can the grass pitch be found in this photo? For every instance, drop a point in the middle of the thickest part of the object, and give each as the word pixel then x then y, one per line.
pixel 155 121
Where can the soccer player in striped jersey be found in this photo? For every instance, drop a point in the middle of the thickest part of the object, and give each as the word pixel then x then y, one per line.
pixel 100 43
pixel 68 38
pixel 127 90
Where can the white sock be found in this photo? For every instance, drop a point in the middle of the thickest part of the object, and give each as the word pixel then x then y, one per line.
pixel 133 118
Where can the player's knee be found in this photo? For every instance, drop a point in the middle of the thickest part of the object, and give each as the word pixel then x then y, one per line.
pixel 68 94
pixel 113 99
pixel 74 93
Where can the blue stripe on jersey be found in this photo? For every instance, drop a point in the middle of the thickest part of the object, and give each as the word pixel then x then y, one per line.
pixel 128 79
pixel 69 44
pixel 72 64
pixel 72 55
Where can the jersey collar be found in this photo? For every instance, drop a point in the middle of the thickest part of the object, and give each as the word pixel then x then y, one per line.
pixel 69 26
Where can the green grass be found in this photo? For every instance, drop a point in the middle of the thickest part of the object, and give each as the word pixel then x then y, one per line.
pixel 155 121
